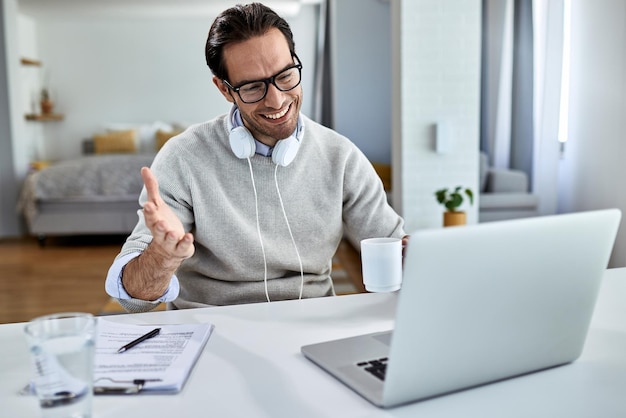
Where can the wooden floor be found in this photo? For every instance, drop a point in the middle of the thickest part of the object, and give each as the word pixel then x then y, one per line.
pixel 68 275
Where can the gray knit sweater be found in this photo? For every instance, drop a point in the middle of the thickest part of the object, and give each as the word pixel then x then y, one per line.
pixel 328 190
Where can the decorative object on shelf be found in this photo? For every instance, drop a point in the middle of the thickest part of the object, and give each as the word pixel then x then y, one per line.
pixel 39 165
pixel 47 105
pixel 452 200
pixel 42 101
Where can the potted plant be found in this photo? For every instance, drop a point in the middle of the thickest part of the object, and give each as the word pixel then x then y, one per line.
pixel 452 200
pixel 45 101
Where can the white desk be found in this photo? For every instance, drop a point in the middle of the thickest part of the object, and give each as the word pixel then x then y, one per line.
pixel 252 367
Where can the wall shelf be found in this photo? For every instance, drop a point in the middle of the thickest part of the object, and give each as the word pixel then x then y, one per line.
pixel 29 61
pixel 44 117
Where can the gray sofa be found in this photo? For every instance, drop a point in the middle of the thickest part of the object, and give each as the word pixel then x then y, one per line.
pixel 504 194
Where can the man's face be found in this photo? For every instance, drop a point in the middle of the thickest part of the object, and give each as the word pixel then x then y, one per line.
pixel 274 117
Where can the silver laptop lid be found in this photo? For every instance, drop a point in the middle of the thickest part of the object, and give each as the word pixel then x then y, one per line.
pixel 486 302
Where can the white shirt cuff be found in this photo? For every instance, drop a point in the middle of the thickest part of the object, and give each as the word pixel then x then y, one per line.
pixel 113 284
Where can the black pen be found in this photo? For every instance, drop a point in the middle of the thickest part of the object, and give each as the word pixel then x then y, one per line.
pixel 133 343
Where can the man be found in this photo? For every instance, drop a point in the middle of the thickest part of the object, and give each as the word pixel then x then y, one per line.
pixel 250 206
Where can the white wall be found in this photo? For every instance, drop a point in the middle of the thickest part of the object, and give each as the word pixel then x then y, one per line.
pixel 31 141
pixel 592 171
pixel 436 80
pixel 361 50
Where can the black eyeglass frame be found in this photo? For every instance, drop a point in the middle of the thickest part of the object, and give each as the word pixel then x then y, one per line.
pixel 268 81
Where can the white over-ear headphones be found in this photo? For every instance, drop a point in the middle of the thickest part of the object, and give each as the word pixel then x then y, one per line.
pixel 243 146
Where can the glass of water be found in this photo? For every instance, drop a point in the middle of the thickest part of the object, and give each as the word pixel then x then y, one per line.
pixel 62 353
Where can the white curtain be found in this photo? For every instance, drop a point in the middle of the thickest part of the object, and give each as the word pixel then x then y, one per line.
pixel 548 17
pixel 497 59
pixel 521 92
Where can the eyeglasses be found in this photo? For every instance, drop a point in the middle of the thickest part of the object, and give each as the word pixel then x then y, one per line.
pixel 255 91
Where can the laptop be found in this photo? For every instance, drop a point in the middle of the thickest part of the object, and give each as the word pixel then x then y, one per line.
pixel 479 304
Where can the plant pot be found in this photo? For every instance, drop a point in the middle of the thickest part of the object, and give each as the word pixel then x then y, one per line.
pixel 46 106
pixel 454 218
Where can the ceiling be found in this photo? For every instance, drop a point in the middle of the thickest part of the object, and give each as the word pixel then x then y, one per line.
pixel 40 9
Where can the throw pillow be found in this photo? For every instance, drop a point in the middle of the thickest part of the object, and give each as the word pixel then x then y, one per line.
pixel 163 136
pixel 115 142
pixel 146 132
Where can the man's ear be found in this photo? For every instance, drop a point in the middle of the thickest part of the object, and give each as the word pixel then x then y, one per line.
pixel 223 88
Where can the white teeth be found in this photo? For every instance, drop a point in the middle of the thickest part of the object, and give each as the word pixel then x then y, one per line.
pixel 278 115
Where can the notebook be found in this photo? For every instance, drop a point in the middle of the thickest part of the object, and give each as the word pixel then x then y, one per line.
pixel 479 304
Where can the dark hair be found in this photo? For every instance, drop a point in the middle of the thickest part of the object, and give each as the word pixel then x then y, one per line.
pixel 238 24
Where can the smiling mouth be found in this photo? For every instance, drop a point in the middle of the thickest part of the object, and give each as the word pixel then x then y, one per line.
pixel 278 115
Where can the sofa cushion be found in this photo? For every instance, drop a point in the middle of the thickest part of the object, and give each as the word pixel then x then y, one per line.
pixel 506 181
pixel 484 167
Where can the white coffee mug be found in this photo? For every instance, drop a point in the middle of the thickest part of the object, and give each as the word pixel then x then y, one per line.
pixel 381 260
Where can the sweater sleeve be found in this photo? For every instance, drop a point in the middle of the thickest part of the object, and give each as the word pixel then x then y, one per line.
pixel 366 211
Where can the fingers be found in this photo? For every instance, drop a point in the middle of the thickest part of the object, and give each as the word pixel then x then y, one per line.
pixel 185 247
pixel 170 238
pixel 151 217
pixel 405 242
pixel 172 245
pixel 167 231
pixel 154 201
pixel 152 186
pixel 164 233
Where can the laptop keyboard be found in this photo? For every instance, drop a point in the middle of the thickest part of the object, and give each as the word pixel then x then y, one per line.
pixel 376 367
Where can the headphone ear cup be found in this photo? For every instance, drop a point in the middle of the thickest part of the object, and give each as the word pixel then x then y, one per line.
pixel 285 151
pixel 241 142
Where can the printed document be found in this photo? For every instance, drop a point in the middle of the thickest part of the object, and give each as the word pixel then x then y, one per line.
pixel 161 363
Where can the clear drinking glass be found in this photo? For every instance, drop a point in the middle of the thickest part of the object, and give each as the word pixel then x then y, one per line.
pixel 62 350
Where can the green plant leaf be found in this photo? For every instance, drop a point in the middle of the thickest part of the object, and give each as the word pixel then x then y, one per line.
pixel 470 195
pixel 452 200
pixel 441 195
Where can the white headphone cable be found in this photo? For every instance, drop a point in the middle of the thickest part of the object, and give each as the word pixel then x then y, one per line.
pixel 258 228
pixel 290 234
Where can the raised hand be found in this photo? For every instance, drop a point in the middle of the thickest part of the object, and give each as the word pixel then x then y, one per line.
pixel 147 277
pixel 167 230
